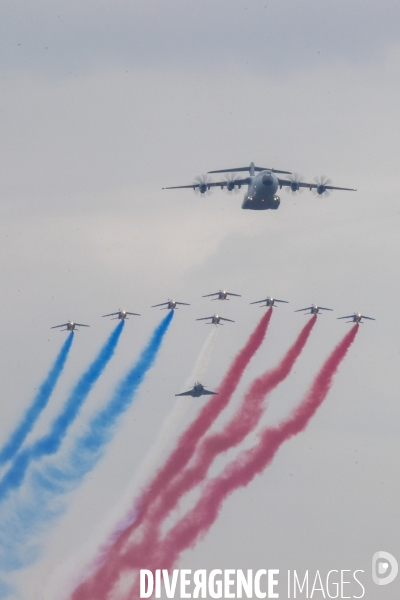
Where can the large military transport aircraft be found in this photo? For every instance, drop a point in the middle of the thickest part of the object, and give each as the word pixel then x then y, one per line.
pixel 262 183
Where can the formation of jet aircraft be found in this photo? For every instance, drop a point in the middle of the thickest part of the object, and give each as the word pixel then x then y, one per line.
pixel 221 295
pixel 121 314
pixel 215 320
pixel 197 390
pixel 70 326
pixel 269 301
pixel 262 185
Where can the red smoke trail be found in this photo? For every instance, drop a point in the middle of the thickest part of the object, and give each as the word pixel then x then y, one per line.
pixel 243 422
pixel 99 584
pixel 249 463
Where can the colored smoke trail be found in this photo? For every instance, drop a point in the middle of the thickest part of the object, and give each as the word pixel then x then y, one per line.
pixel 108 529
pixel 242 423
pixel 249 463
pixel 50 443
pixel 42 500
pixel 178 459
pixel 39 403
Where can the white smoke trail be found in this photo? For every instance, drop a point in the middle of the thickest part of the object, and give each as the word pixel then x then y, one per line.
pixel 58 584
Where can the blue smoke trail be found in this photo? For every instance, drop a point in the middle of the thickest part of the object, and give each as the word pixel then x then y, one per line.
pixel 39 403
pixel 50 443
pixel 23 518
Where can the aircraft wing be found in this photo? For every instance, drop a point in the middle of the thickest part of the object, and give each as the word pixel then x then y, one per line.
pixel 183 303
pixel 310 186
pixel 259 301
pixel 205 318
pixel 222 319
pixel 111 314
pixel 209 295
pixel 322 308
pixel 230 294
pixel 162 304
pixel 210 184
pixel 63 325
pixel 348 317
pixel 208 393
pixel 185 393
pixel 285 301
pixel 300 309
pixel 81 325
pixel 128 313
pixel 369 318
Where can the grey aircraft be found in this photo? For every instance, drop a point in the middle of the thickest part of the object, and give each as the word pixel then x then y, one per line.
pixel 198 390
pixel 70 326
pixel 215 320
pixel 269 301
pixel 121 314
pixel 357 318
pixel 314 309
pixel 262 183
pixel 171 305
pixel 221 295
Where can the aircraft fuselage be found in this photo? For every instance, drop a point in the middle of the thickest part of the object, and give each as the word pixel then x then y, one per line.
pixel 261 193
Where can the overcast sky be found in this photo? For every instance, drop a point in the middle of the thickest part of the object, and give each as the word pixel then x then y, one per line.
pixel 103 104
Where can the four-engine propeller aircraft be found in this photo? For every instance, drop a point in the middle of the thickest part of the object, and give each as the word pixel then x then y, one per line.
pixel 221 295
pixel 197 390
pixel 314 309
pixel 121 314
pixel 262 183
pixel 269 301
pixel 70 326
pixel 171 305
pixel 357 318
pixel 215 320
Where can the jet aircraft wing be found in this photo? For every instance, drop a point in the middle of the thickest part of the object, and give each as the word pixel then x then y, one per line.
pixel 220 184
pixel 189 393
pixel 136 314
pixel 205 318
pixel 183 303
pixel 311 186
pixel 63 325
pixel 370 318
pixel 81 325
pixel 222 319
pixel 322 308
pixel 300 309
pixel 111 314
pixel 162 304
pixel 208 393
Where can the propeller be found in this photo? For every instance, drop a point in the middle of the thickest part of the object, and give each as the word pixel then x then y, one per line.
pixel 321 183
pixel 294 187
pixel 203 181
pixel 230 183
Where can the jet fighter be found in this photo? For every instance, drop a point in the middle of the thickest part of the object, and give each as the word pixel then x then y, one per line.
pixel 263 184
pixel 121 314
pixel 215 320
pixel 221 295
pixel 70 326
pixel 314 309
pixel 197 390
pixel 357 318
pixel 269 301
pixel 171 305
